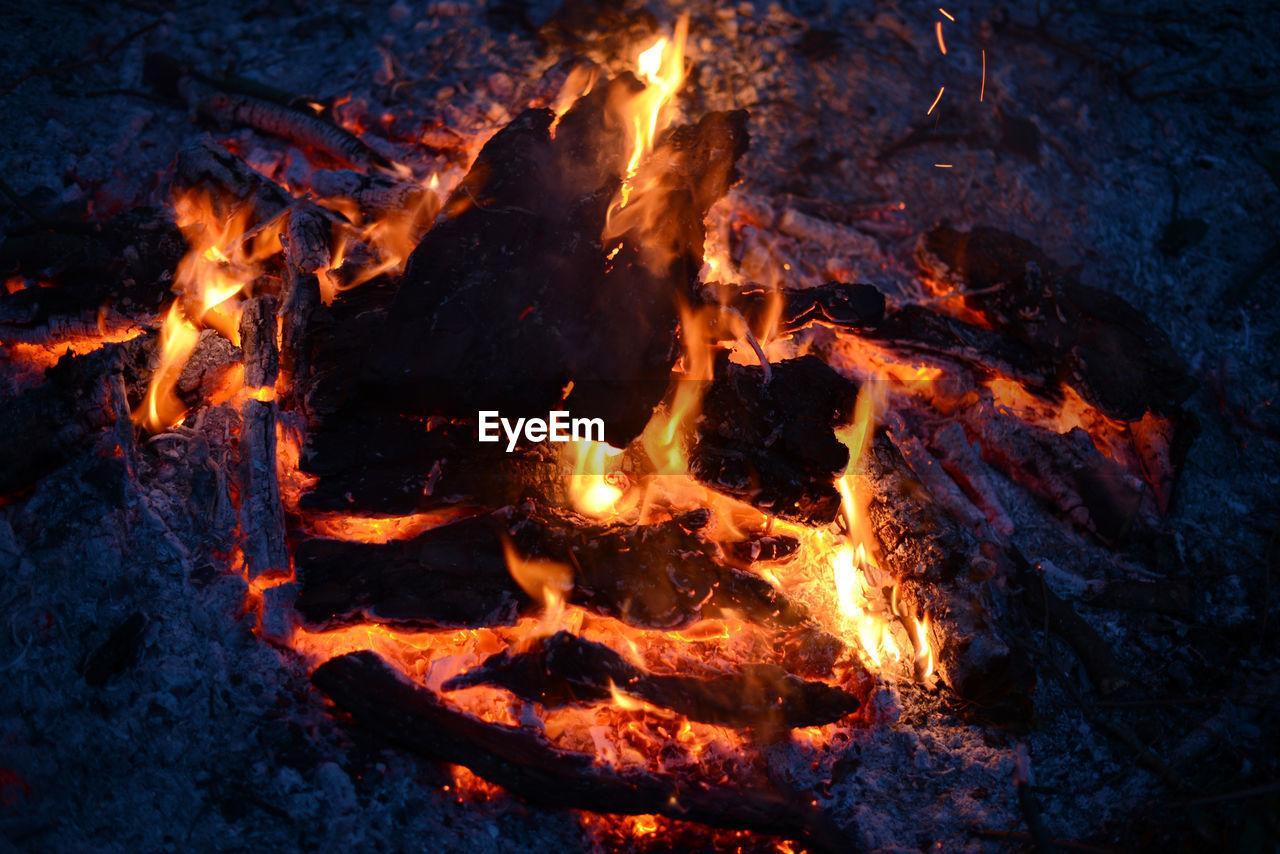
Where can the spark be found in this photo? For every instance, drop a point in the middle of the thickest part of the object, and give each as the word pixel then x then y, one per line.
pixel 983 91
pixel 948 14
pixel 942 46
pixel 936 100
pixel 943 165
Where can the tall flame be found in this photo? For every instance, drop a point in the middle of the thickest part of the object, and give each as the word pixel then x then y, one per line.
pixel 545 581
pixel 161 407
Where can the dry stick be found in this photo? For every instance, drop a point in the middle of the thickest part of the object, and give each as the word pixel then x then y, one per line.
pixel 381 700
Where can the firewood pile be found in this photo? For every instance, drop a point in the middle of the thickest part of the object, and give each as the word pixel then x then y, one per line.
pixel 884 517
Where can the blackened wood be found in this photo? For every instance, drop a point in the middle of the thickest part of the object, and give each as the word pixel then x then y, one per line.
pixel 377 195
pixel 518 255
pixel 764 549
pixel 567 670
pixel 262 531
pixel 939 574
pixel 239 103
pixel 773 444
pixel 1064 469
pixel 233 184
pixel 850 306
pixel 379 699
pixel 1110 352
pixel 915 329
pixel 45 426
pixel 258 342
pixel 658 576
pixel 451 576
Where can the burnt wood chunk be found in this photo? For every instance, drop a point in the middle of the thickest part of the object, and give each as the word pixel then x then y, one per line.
pixel 773 443
pixel 451 576
pixel 1104 348
pixel 567 670
pixel 657 576
pixel 512 294
pixel 258 342
pixel 410 716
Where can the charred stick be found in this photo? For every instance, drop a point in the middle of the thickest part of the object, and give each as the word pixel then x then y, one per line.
pixel 301 309
pixel 262 529
pixel 410 716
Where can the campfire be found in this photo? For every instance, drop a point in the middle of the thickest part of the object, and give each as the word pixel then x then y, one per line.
pixel 546 450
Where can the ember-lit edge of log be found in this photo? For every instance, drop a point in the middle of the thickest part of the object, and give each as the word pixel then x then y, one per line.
pixel 410 716
pixel 565 669
pixel 656 576
pixel 262 525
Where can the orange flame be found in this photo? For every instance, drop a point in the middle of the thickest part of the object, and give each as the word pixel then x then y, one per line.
pixel 161 408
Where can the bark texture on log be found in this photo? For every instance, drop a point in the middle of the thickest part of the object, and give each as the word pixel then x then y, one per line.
pixel 523 762
pixel 262 528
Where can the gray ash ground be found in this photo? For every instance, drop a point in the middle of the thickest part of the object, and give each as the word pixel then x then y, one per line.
pixel 1130 142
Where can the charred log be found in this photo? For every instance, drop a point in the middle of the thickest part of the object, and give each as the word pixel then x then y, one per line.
pixel 410 716
pixel 658 576
pixel 519 253
pixel 1110 352
pixel 262 530
pixel 772 443
pixel 567 670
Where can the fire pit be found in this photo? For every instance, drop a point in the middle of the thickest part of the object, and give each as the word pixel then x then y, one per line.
pixel 633 429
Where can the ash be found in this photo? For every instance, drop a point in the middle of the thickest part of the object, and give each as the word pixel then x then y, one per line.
pixel 141 712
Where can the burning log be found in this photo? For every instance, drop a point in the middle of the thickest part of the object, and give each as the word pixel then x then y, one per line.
pixel 771 441
pixel 233 183
pixel 658 576
pixel 937 571
pixel 1113 355
pixel 519 253
pixel 567 670
pixel 523 762
pixel 47 425
pixel 262 530
pixel 208 366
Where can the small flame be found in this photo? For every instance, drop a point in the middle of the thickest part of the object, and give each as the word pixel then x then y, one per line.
pixel 161 408
pixel 547 582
